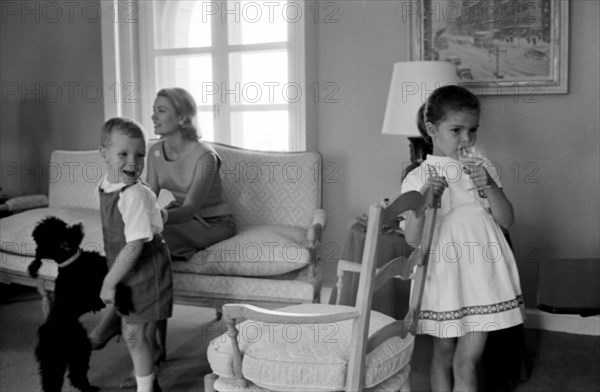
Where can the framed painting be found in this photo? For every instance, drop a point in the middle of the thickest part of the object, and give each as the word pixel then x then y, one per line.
pixel 498 47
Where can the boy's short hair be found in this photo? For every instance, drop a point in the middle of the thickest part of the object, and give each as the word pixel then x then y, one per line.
pixel 126 126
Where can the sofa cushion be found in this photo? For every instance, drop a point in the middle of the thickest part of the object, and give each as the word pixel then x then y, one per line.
pixel 292 357
pixel 260 250
pixel 15 233
pixel 293 287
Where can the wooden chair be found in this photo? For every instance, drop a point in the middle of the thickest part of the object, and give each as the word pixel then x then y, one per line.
pixel 322 347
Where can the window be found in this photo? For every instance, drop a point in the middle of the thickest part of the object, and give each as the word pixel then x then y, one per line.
pixel 243 61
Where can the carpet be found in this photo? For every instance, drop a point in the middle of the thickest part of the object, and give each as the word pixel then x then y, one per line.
pixel 189 332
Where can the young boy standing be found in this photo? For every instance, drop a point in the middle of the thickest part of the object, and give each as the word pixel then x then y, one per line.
pixel 139 282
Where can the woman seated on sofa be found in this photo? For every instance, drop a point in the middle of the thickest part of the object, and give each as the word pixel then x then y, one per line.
pixel 189 169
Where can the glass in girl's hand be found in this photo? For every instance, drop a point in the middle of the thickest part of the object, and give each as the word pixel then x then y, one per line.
pixel 471 157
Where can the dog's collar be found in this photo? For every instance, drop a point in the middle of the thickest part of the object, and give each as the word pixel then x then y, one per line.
pixel 70 259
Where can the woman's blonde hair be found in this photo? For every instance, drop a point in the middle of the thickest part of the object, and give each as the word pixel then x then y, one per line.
pixel 185 106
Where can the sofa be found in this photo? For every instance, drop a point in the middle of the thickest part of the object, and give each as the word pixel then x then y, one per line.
pixel 271 261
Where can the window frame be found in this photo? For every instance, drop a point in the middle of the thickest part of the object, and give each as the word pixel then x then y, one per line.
pixel 128 65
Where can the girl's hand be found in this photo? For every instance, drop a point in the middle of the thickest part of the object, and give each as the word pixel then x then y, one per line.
pixel 107 294
pixel 437 183
pixel 479 175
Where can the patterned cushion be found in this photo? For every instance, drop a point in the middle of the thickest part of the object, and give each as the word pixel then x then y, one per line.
pixel 307 357
pixel 15 232
pixel 279 188
pixel 293 287
pixel 262 250
pixel 394 383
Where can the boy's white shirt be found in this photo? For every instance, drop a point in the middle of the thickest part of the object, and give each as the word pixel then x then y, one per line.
pixel 138 207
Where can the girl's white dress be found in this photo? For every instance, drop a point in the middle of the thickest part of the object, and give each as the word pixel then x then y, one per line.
pixel 472 281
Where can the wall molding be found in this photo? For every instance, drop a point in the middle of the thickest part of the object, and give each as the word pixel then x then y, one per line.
pixel 569 323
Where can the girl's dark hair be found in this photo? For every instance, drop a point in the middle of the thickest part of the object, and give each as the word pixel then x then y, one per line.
pixel 185 106
pixel 448 98
pixel 422 128
pixel 126 126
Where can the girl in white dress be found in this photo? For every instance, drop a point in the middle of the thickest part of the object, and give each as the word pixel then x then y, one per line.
pixel 472 284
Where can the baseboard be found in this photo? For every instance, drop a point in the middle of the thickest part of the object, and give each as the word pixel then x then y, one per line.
pixel 569 323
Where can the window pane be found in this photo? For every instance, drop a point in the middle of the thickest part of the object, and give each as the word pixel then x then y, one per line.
pixel 256 22
pixel 261 78
pixel 193 73
pixel 182 24
pixel 206 125
pixel 265 130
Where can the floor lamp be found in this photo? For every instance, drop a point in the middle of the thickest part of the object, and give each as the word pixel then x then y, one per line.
pixel 412 82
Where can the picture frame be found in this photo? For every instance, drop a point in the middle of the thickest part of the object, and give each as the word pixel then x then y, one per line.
pixel 499 48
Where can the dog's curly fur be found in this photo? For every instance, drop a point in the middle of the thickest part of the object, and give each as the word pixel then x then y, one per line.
pixel 63 341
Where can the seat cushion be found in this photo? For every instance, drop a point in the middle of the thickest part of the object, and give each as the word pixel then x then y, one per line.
pixel 292 288
pixel 260 250
pixel 394 383
pixel 15 234
pixel 309 357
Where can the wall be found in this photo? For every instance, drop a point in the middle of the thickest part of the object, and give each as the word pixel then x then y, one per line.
pixel 51 73
pixel 554 142
pixel 558 135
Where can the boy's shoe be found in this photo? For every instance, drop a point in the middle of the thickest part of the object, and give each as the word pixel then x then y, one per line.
pixel 128 382
pixel 87 388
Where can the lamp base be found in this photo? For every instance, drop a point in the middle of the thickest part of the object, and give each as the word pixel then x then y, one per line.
pixel 419 149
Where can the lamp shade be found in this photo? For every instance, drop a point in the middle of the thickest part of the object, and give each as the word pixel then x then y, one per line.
pixel 412 82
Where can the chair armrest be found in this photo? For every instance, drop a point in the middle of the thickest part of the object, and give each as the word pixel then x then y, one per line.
pixel 25 203
pixel 318 223
pixel 343 267
pixel 238 311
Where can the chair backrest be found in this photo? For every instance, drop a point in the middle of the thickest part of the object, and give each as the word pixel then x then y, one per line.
pixel 271 188
pixel 282 188
pixel 371 278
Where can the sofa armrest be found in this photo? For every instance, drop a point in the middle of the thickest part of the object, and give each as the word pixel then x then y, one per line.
pixel 318 223
pixel 24 203
pixel 313 235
